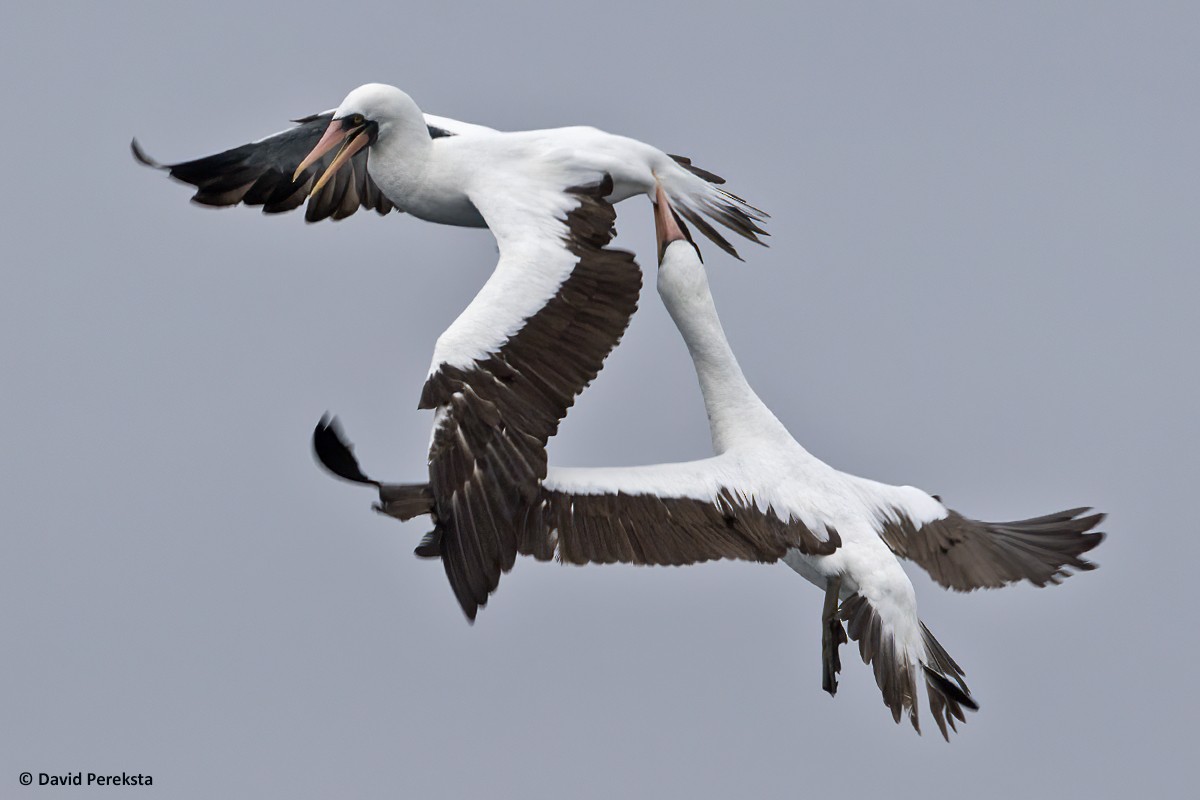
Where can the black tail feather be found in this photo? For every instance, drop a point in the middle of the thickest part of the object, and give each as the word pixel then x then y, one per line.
pixel 945 686
pixel 704 174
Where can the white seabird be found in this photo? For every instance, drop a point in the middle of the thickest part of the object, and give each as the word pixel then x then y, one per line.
pixel 763 497
pixel 518 354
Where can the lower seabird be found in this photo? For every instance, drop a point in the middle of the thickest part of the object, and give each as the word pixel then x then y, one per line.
pixel 763 497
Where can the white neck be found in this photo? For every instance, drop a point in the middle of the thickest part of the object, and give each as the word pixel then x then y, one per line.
pixel 403 151
pixel 420 178
pixel 735 412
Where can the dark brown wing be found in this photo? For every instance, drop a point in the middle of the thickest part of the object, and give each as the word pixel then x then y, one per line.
pixel 966 554
pixel 260 174
pixel 649 529
pixel 488 453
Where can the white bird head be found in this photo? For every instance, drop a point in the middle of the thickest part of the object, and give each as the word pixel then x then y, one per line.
pixel 378 103
pixel 369 112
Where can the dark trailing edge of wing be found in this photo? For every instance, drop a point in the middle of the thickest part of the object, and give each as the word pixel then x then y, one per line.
pixel 488 455
pixel 648 529
pixel 966 554
pixel 260 174
pixel 604 529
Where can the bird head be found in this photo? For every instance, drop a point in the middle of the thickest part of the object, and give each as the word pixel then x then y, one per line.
pixel 357 123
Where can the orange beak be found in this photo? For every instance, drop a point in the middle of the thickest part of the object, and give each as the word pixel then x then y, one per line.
pixel 351 138
pixel 666 225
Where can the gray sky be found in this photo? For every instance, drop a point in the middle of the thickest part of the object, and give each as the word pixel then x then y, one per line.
pixel 981 281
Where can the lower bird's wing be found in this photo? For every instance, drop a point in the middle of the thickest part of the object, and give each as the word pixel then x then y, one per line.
pixel 666 514
pixel 966 554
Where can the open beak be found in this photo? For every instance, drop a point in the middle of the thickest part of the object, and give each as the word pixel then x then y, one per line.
pixel 352 138
pixel 666 224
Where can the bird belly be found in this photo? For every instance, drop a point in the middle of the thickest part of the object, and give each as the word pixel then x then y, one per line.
pixel 810 568
pixel 431 194
pixel 863 562
pixel 446 210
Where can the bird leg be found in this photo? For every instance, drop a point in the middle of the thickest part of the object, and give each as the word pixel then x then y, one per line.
pixel 833 636
pixel 405 501
pixel 430 546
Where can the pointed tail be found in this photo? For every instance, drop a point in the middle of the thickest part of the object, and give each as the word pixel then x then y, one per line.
pixel 947 698
pixel 896 661
pixel 696 193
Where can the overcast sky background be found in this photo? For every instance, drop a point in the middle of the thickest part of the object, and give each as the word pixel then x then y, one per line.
pixel 982 280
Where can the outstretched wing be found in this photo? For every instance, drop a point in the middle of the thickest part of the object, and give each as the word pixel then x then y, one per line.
pixel 966 554
pixel 505 373
pixel 665 514
pixel 260 173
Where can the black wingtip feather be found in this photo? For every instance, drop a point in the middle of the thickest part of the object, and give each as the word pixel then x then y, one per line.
pixel 334 453
pixel 260 174
pixel 140 155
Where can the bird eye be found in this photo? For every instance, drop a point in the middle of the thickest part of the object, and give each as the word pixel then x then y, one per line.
pixel 357 119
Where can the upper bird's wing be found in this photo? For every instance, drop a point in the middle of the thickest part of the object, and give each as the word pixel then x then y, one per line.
pixel 260 173
pixel 444 126
pixel 966 554
pixel 665 514
pixel 506 371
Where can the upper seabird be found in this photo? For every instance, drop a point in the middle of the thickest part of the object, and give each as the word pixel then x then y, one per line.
pixel 505 371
